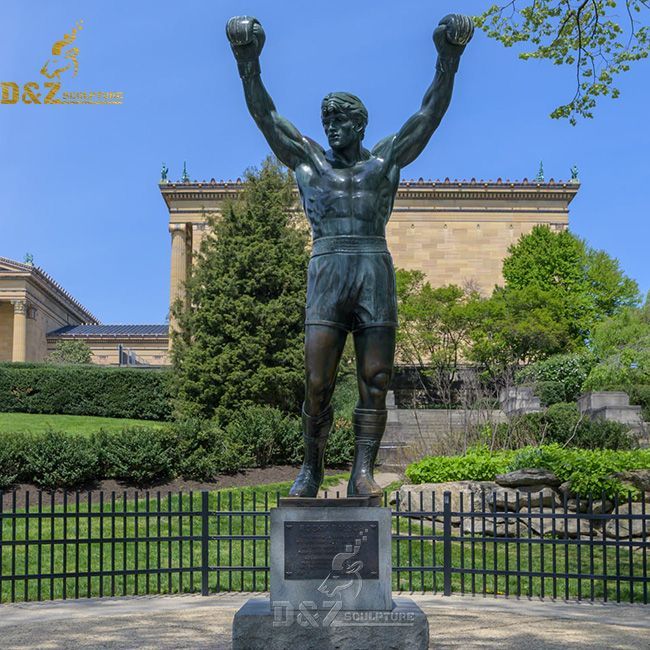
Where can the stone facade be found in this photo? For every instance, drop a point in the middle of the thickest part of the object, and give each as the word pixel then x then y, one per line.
pixel 32 304
pixel 455 232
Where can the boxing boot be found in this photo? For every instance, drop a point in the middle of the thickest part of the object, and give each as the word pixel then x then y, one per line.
pixel 315 431
pixel 368 425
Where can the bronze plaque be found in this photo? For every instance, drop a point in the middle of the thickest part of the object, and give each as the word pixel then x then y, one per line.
pixel 314 550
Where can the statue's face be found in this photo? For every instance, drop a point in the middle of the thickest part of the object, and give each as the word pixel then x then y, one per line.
pixel 341 130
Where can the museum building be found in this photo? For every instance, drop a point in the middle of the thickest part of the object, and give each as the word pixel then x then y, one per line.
pixel 454 231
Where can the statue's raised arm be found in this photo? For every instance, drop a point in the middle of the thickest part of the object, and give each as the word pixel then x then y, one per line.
pixel 450 37
pixel 247 38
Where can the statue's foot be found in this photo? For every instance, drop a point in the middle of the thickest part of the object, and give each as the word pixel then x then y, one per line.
pixel 363 485
pixel 307 483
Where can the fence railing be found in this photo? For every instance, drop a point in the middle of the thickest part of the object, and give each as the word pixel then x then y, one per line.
pixel 107 544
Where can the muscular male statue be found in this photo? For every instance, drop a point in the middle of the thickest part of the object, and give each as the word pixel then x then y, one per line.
pixel 347 193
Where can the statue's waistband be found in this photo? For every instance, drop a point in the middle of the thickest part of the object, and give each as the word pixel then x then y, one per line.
pixel 349 244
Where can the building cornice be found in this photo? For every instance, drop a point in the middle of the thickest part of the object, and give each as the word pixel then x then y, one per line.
pixel 49 285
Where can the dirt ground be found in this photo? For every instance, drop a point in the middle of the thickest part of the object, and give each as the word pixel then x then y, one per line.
pixel 258 476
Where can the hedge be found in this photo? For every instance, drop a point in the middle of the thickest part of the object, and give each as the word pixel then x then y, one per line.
pixel 192 449
pixel 85 390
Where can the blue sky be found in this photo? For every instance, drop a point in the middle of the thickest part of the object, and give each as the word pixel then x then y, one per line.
pixel 79 183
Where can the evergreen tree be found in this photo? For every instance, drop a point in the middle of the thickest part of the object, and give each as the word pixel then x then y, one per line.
pixel 242 332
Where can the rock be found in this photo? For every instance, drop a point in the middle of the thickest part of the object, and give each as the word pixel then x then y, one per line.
pixel 430 490
pixel 636 478
pixel 571 526
pixel 492 527
pixel 523 497
pixel 532 477
pixel 626 527
pixel 597 506
pixel 565 488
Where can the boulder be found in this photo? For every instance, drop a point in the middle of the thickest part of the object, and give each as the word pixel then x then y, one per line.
pixel 428 497
pixel 492 526
pixel 532 477
pixel 565 489
pixel 523 497
pixel 636 479
pixel 572 526
pixel 626 527
pixel 598 506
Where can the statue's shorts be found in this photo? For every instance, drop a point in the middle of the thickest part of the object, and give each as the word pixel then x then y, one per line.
pixel 351 284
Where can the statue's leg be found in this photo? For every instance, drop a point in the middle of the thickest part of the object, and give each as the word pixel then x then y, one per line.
pixel 323 348
pixel 375 352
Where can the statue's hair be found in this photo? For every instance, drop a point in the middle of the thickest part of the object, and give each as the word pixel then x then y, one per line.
pixel 346 103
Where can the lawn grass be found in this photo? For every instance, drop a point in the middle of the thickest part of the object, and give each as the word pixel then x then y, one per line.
pixel 76 424
pixel 168 552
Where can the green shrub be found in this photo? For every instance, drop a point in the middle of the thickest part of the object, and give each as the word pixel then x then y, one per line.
pixel 340 445
pixel 478 464
pixel 57 460
pixel 12 459
pixel 589 471
pixel 264 431
pixel 558 378
pixel 85 390
pixel 137 455
pixel 204 450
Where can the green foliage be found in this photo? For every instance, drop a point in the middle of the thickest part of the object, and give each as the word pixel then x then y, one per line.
pixel 558 378
pixel 478 464
pixel 435 327
pixel 70 352
pixel 268 436
pixel 560 423
pixel 589 471
pixel 598 39
pixel 85 390
pixel 56 460
pixel 136 455
pixel 582 285
pixel 242 341
pixel 346 394
pixel 12 459
pixel 340 446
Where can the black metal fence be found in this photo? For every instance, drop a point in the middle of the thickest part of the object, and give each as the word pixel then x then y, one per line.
pixel 97 544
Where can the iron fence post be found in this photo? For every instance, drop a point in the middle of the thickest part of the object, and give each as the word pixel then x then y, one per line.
pixel 205 539
pixel 446 542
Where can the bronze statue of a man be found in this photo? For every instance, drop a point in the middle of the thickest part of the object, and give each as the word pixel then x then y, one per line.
pixel 347 193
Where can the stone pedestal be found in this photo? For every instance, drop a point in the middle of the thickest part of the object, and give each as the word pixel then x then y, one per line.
pixel 330 582
pixel 258 626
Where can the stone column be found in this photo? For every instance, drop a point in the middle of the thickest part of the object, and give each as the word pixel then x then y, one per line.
pixel 178 267
pixel 19 352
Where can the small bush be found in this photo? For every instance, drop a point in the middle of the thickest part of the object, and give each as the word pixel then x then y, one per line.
pixel 57 460
pixel 12 459
pixel 340 445
pixel 137 455
pixel 478 464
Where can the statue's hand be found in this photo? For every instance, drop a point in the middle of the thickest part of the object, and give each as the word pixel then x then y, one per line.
pixel 451 36
pixel 246 37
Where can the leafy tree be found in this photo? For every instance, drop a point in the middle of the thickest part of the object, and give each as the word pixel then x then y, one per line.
pixel 517 326
pixel 242 333
pixel 599 39
pixel 71 352
pixel 587 285
pixel 434 329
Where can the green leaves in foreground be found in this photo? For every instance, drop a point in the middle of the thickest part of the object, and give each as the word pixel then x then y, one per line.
pixel 599 39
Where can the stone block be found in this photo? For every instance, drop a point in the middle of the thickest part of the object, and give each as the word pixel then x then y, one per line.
pixel 528 478
pixel 595 400
pixel 320 554
pixel 624 414
pixel 260 626
pixel 637 478
pixel 626 528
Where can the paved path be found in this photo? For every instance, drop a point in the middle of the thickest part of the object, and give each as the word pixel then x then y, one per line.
pixel 180 622
pixel 383 479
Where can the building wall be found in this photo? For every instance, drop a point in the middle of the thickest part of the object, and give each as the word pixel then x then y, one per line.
pixel 105 351
pixel 6 330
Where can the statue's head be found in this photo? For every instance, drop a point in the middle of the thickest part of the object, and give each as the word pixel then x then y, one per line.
pixel 344 119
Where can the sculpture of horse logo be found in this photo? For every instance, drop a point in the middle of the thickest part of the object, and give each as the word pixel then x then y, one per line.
pixel 346 570
pixel 70 54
